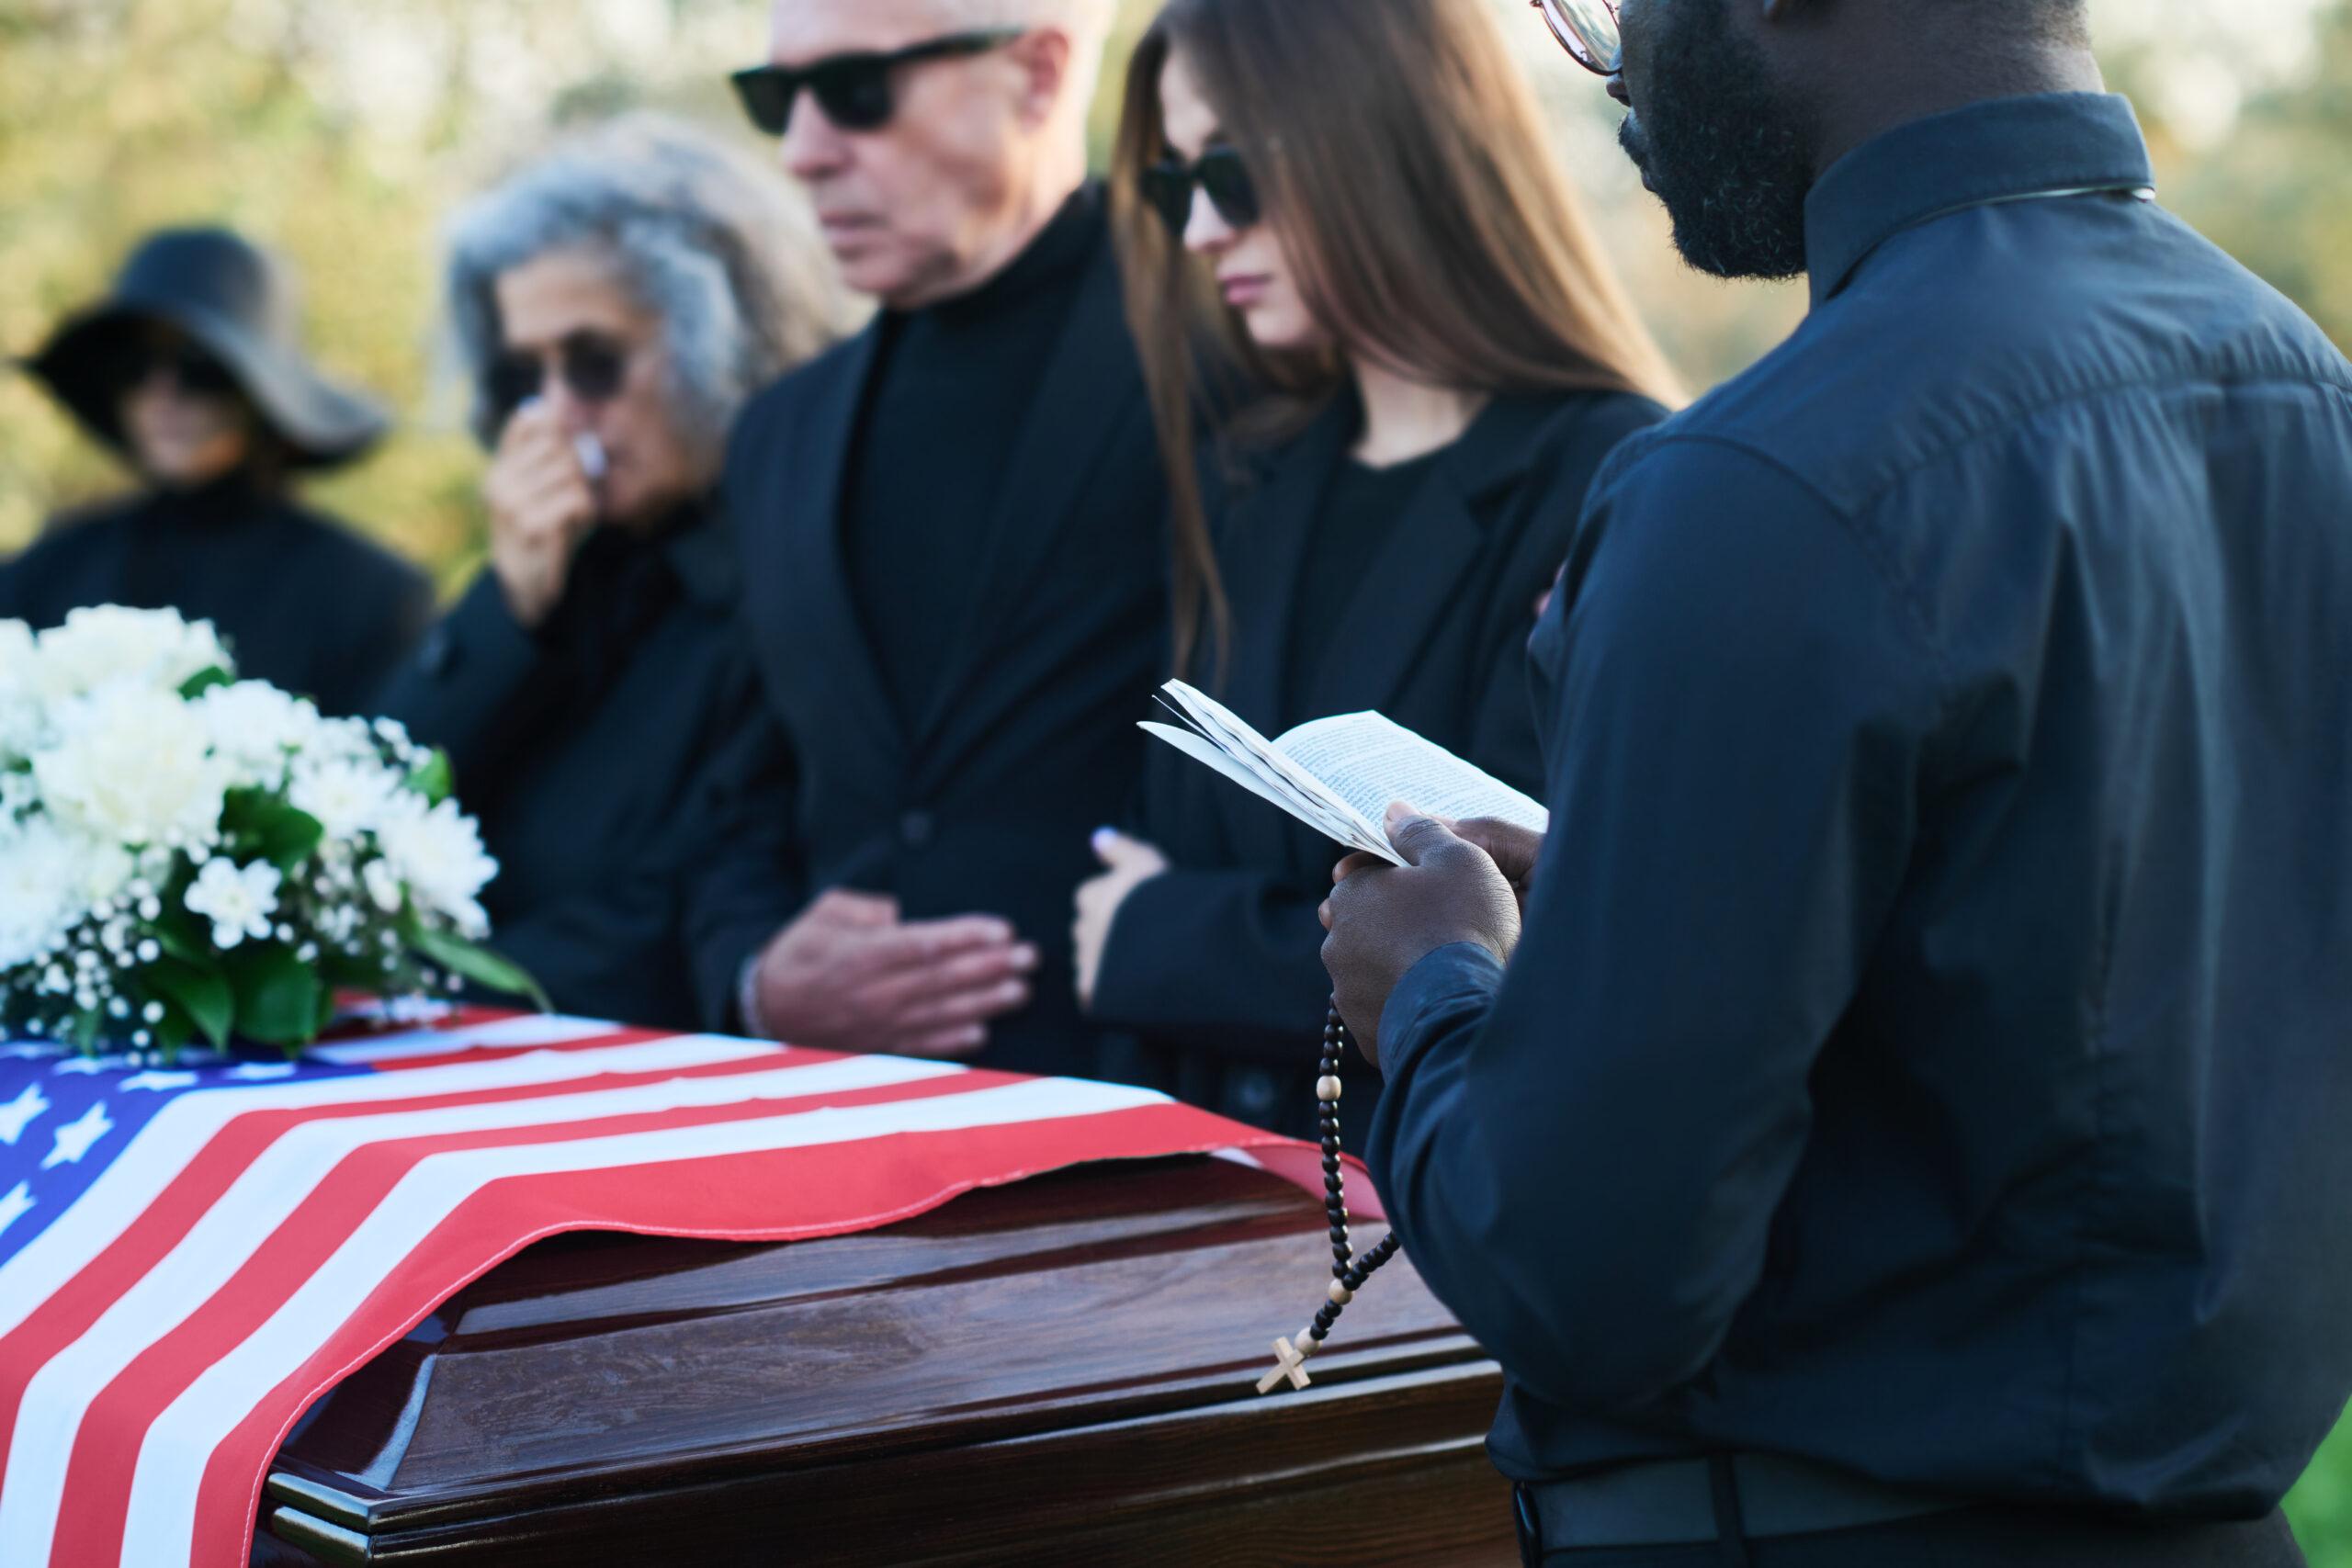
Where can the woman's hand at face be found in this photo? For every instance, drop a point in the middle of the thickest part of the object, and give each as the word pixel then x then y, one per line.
pixel 1128 864
pixel 541 507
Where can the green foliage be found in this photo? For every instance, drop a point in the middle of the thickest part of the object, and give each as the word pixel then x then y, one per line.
pixel 2320 1505
pixel 474 961
pixel 435 779
pixel 260 824
pixel 200 993
pixel 281 999
pixel 204 681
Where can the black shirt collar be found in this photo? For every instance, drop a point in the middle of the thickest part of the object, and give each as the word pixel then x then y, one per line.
pixel 1052 260
pixel 2002 150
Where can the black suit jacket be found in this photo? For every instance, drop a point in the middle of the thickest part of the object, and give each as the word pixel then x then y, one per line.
pixel 584 780
pixel 986 804
pixel 1214 971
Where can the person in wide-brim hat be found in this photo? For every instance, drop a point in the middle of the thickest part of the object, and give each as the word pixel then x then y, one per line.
pixel 190 371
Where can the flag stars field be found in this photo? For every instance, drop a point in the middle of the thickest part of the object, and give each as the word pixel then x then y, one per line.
pixel 77 1137
pixel 21 1113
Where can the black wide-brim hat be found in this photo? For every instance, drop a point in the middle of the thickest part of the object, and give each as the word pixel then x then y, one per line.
pixel 231 301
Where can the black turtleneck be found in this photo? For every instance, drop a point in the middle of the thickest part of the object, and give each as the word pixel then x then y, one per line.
pixel 951 388
pixel 302 602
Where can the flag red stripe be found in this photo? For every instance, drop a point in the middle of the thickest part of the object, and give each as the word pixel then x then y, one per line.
pixel 70 1312
pixel 461 1053
pixel 98 1476
pixel 733 1200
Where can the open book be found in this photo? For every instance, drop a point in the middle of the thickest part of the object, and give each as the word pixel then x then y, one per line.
pixel 1338 775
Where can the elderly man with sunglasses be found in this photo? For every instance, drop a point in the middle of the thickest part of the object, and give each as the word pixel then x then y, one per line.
pixel 952 543
pixel 1895 1115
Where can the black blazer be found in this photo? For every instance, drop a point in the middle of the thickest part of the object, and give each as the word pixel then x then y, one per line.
pixel 986 805
pixel 582 771
pixel 302 602
pixel 1214 972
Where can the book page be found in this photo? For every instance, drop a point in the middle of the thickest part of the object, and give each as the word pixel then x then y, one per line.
pixel 1319 806
pixel 1369 760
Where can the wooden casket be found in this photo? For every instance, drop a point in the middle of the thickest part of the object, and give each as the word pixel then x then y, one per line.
pixel 1059 1371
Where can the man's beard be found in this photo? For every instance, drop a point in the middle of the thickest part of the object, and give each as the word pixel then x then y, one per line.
pixel 1728 156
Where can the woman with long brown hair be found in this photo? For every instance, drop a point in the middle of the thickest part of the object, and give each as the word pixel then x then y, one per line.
pixel 1385 357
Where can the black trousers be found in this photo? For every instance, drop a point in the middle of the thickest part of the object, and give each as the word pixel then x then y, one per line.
pixel 1979 1538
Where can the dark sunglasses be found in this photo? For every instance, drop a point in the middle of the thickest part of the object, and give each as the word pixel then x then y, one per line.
pixel 191 369
pixel 593 368
pixel 855 90
pixel 1168 186
pixel 1587 30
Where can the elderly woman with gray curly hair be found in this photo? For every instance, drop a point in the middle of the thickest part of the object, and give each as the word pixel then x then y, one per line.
pixel 614 303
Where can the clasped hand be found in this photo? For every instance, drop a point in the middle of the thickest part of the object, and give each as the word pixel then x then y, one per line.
pixel 1462 882
pixel 850 974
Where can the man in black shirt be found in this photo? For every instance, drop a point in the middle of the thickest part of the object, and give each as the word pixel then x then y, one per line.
pixel 954 560
pixel 1896 1113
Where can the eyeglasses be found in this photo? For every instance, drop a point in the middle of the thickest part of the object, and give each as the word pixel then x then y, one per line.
pixel 853 90
pixel 1168 186
pixel 1587 30
pixel 593 368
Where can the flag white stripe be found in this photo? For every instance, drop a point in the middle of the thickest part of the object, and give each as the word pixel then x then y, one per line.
pixel 163 1148
pixel 50 1416
pixel 532 1028
pixel 161 1523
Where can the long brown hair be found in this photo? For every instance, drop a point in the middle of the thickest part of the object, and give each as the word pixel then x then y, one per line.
pixel 1399 145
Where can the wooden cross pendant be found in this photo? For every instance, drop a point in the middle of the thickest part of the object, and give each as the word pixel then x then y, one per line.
pixel 1288 1363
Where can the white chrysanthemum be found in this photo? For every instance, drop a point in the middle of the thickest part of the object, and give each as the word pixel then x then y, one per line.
pixel 437 854
pixel 383 885
pixel 107 643
pixel 349 798
pixel 238 900
pixel 133 765
pixel 349 740
pixel 44 872
pixel 257 728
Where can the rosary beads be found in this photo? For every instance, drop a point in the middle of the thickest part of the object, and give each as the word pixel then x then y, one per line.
pixel 1348 1272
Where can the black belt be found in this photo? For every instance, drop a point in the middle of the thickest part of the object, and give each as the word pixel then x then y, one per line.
pixel 1683 1502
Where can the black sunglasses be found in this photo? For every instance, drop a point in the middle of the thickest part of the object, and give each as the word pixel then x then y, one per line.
pixel 190 367
pixel 853 90
pixel 1168 185
pixel 593 368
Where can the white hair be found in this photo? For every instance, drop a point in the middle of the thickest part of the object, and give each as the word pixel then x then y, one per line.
pixel 706 237
pixel 1088 24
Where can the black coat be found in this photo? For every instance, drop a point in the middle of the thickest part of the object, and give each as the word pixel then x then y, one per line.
pixel 985 805
pixel 1214 971
pixel 302 600
pixel 580 749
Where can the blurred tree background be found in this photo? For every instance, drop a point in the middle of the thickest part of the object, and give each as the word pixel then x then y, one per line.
pixel 343 131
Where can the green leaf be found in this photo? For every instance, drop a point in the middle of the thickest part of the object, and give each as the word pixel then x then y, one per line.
pixel 476 963
pixel 204 681
pixel 172 1031
pixel 181 934
pixel 434 778
pixel 277 994
pixel 201 993
pixel 262 825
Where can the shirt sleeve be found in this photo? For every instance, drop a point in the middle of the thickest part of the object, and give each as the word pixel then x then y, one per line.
pixel 1583 1151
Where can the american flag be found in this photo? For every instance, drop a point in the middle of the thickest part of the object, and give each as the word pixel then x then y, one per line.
pixel 191 1255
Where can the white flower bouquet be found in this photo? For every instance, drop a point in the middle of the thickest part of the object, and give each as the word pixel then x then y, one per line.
pixel 186 856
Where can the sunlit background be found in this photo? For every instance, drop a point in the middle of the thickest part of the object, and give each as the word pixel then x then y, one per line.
pixel 341 132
